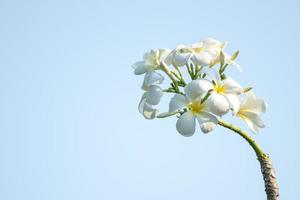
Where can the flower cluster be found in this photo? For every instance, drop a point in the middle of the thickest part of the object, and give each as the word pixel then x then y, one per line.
pixel 210 93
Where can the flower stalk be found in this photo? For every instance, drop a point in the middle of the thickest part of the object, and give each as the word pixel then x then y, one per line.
pixel 267 169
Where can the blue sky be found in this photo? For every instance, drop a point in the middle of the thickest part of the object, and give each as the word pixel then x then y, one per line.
pixel 69 124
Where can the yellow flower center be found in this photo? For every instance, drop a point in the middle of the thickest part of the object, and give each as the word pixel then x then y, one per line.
pixel 196 107
pixel 198 50
pixel 219 89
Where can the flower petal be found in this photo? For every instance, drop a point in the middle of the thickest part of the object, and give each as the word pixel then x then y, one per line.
pixel 151 78
pixel 234 102
pixel 181 59
pixel 179 56
pixel 254 104
pixel 231 86
pixel 253 117
pixel 154 95
pixel 151 58
pixel 140 67
pixel 251 125
pixel 218 104
pixel 197 88
pixel 207 121
pixel 229 61
pixel 147 110
pixel 186 124
pixel 177 102
pixel 203 58
pixel 163 53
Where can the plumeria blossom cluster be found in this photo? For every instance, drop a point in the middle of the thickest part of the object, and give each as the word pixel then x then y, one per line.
pixel 206 97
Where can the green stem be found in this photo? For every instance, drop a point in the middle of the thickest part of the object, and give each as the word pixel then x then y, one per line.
pixel 252 143
pixel 267 169
pixel 166 69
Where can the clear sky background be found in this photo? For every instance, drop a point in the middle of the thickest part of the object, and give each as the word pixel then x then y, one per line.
pixel 69 125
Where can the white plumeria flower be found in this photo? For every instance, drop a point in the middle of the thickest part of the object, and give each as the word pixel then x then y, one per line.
pixel 195 91
pixel 152 78
pixel 179 56
pixel 250 111
pixel 224 95
pixel 202 53
pixel 150 98
pixel 206 52
pixel 151 61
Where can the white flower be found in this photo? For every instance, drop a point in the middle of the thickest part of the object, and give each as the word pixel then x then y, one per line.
pixel 206 52
pixel 224 95
pixel 195 91
pixel 150 98
pixel 179 56
pixel 152 78
pixel 151 61
pixel 250 110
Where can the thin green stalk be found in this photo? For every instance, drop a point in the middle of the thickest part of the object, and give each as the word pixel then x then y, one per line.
pixel 166 69
pixel 267 169
pixel 252 143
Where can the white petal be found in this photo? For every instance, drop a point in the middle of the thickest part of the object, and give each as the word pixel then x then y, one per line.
pixel 151 78
pixel 207 122
pixel 234 64
pixel 140 68
pixel 163 53
pixel 251 125
pixel 141 103
pixel 218 104
pixel 253 117
pixel 181 59
pixel 197 45
pixel 186 124
pixel 151 58
pixel 147 110
pixel 231 86
pixel 177 102
pixel 254 104
pixel 229 61
pixel 213 74
pixel 203 58
pixel 169 59
pixel 212 42
pixel 197 88
pixel 234 102
pixel 154 95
